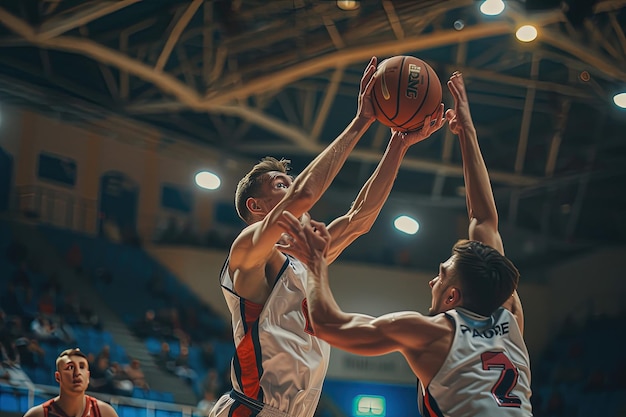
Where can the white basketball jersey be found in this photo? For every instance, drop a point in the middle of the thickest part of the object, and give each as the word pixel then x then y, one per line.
pixel 486 373
pixel 278 362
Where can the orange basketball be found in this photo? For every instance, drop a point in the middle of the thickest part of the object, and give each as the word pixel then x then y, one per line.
pixel 406 90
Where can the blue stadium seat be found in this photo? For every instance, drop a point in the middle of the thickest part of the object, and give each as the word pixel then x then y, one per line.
pixel 9 402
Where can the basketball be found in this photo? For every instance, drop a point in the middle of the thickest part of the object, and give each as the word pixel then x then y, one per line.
pixel 406 90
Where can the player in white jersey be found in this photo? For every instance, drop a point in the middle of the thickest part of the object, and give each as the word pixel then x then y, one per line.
pixel 279 366
pixel 468 353
pixel 278 362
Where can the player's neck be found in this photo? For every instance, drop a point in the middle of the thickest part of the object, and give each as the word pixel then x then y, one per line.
pixel 71 405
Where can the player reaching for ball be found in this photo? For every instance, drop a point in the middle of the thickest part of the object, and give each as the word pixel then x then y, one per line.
pixel 468 353
pixel 279 365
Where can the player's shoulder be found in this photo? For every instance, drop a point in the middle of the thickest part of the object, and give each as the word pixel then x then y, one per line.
pixel 243 242
pixel 106 410
pixel 36 411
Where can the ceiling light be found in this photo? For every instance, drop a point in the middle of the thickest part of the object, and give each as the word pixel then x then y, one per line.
pixel 620 100
pixel 348 4
pixel 492 7
pixel 208 180
pixel 406 224
pixel 526 33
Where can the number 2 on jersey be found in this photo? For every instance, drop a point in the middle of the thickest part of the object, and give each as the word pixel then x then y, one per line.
pixel 501 390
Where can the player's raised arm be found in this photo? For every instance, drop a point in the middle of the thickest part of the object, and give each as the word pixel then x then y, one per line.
pixel 374 193
pixel 256 243
pixel 481 206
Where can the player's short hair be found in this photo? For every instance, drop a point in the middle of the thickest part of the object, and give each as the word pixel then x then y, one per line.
pixel 250 184
pixel 487 277
pixel 70 352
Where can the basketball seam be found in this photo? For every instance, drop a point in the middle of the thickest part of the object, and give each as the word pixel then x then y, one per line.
pixel 378 109
pixel 423 100
pixel 399 83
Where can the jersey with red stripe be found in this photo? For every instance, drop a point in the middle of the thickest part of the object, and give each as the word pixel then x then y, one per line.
pixel 278 361
pixel 51 409
pixel 486 372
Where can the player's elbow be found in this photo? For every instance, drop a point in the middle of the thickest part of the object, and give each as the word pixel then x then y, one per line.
pixel 302 198
pixel 326 322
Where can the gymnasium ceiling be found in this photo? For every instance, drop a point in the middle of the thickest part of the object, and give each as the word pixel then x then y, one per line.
pixel 249 78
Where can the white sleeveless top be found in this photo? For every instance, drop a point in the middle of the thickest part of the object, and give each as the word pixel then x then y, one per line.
pixel 486 373
pixel 277 360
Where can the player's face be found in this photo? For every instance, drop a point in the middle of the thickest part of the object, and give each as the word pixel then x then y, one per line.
pixel 73 374
pixel 274 189
pixel 438 288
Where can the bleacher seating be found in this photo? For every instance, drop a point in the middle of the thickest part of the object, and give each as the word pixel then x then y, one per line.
pixel 581 373
pixel 130 269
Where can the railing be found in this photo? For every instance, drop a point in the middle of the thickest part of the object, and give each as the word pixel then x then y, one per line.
pixel 56 207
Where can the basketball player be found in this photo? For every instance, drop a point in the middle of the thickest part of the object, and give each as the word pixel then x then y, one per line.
pixel 468 353
pixel 279 366
pixel 72 374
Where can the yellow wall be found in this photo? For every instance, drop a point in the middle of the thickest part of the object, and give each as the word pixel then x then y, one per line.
pixel 141 156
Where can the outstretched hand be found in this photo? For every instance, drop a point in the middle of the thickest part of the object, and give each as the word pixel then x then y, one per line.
pixel 460 118
pixel 365 107
pixel 307 241
pixel 431 125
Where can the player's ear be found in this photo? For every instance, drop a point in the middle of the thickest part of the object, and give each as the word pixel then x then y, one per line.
pixel 253 206
pixel 453 297
pixel 57 376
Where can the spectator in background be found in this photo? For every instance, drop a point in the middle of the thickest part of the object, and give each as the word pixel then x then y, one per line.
pixel 63 332
pixel 122 384
pixel 208 357
pixel 182 368
pixel 105 352
pixel 148 326
pixel 164 358
pixel 31 354
pixel 10 354
pixel 100 380
pixel 135 374
pixel 212 385
pixel 42 329
pixel 205 404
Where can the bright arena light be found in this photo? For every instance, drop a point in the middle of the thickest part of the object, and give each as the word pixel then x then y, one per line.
pixel 208 180
pixel 492 7
pixel 348 4
pixel 526 33
pixel 406 224
pixel 620 100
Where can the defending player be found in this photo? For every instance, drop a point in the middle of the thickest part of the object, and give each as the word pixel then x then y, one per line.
pixel 72 374
pixel 469 353
pixel 279 366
